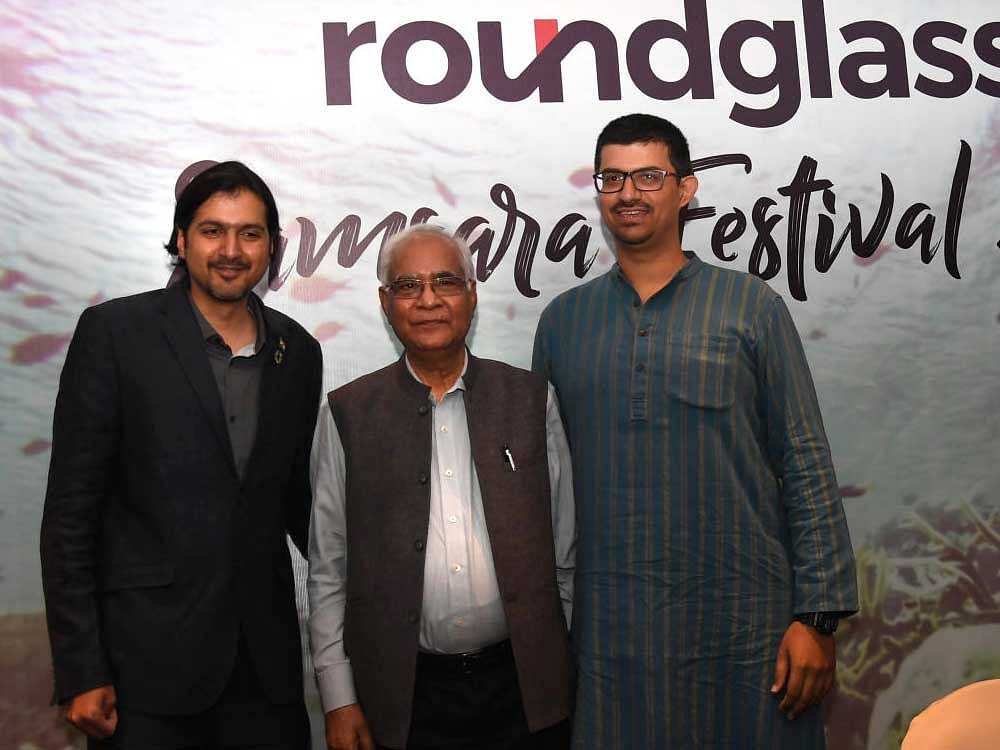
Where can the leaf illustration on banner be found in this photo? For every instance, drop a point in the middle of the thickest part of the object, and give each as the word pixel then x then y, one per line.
pixel 37 300
pixel 38 348
pixel 36 446
pixel 328 330
pixel 581 178
pixel 11 278
pixel 444 191
pixel 316 288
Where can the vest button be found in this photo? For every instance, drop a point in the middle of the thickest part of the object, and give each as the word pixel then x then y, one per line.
pixel 419 545
pixel 422 409
pixel 423 478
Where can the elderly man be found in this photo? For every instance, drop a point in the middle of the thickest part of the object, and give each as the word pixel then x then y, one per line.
pixel 442 539
pixel 715 558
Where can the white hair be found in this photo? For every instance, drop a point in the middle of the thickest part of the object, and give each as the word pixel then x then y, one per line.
pixel 395 242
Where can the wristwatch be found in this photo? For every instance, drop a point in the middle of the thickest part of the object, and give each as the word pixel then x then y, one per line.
pixel 824 623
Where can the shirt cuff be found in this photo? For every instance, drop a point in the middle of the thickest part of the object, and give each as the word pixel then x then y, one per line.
pixel 336 687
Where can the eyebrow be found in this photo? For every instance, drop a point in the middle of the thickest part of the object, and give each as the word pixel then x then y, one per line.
pixel 431 275
pixel 637 169
pixel 226 225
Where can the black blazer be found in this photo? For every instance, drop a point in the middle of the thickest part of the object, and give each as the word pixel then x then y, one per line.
pixel 154 554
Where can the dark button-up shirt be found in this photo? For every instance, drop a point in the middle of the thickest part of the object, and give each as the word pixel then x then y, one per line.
pixel 237 374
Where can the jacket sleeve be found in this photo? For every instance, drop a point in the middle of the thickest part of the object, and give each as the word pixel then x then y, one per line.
pixel 85 444
pixel 298 497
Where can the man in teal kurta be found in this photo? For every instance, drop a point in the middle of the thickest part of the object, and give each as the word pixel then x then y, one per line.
pixel 713 558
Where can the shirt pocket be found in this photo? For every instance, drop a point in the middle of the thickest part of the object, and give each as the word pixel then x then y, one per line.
pixel 703 371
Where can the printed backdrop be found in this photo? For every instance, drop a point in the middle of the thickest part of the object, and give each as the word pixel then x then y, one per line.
pixel 847 152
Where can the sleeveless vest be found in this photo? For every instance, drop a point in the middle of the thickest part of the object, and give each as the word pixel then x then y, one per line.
pixel 385 424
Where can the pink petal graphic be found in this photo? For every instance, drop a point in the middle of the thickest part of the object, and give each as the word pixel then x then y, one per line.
pixel 315 289
pixel 582 178
pixel 96 298
pixel 443 191
pixel 35 446
pixel 38 348
pixel 11 279
pixel 37 300
pixel 328 330
pixel 854 490
pixel 511 312
pixel 879 253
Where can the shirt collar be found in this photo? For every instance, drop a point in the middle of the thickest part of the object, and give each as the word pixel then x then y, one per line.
pixel 458 385
pixel 209 334
pixel 694 265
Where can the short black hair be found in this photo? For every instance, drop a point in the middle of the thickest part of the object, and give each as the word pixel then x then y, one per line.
pixel 640 128
pixel 228 177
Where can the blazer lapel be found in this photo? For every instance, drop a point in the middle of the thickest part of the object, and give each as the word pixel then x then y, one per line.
pixel 185 339
pixel 274 371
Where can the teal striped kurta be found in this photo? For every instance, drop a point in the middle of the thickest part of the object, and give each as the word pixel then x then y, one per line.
pixel 708 510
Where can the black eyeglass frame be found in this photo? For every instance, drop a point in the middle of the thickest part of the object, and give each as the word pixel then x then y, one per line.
pixel 663 173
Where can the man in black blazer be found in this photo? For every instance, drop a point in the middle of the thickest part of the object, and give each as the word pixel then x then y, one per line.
pixel 180 460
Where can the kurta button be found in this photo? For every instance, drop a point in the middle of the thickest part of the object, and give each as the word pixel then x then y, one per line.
pixel 636 303
pixel 423 479
pixel 422 409
pixel 642 332
pixel 640 367
pixel 419 545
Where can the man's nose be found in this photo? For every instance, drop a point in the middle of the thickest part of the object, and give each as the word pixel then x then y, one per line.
pixel 428 296
pixel 629 191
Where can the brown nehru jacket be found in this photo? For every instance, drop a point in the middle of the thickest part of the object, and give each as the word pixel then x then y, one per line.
pixel 384 420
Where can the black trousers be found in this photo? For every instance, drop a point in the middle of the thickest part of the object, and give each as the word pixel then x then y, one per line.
pixel 475 705
pixel 242 719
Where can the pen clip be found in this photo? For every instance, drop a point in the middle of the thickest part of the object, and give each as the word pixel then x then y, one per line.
pixel 509 458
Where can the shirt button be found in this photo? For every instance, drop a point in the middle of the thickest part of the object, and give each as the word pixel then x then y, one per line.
pixel 423 478
pixel 642 331
pixel 422 409
pixel 452 519
pixel 460 621
pixel 635 303
pixel 232 418
pixel 444 428
pixel 640 367
pixel 448 473
pixel 456 568
pixel 412 618
pixel 419 545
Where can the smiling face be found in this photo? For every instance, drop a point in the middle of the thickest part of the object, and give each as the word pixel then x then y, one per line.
pixel 430 322
pixel 644 221
pixel 226 247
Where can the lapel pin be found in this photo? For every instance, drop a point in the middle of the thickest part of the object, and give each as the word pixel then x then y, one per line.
pixel 279 353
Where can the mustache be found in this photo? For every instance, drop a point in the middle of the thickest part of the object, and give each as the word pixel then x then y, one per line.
pixel 636 203
pixel 237 264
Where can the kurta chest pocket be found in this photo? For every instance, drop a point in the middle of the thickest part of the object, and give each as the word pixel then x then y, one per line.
pixel 702 370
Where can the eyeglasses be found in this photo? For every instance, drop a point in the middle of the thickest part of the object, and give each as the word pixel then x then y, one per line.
pixel 444 286
pixel 613 180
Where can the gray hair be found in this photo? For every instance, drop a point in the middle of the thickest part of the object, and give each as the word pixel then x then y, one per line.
pixel 395 242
